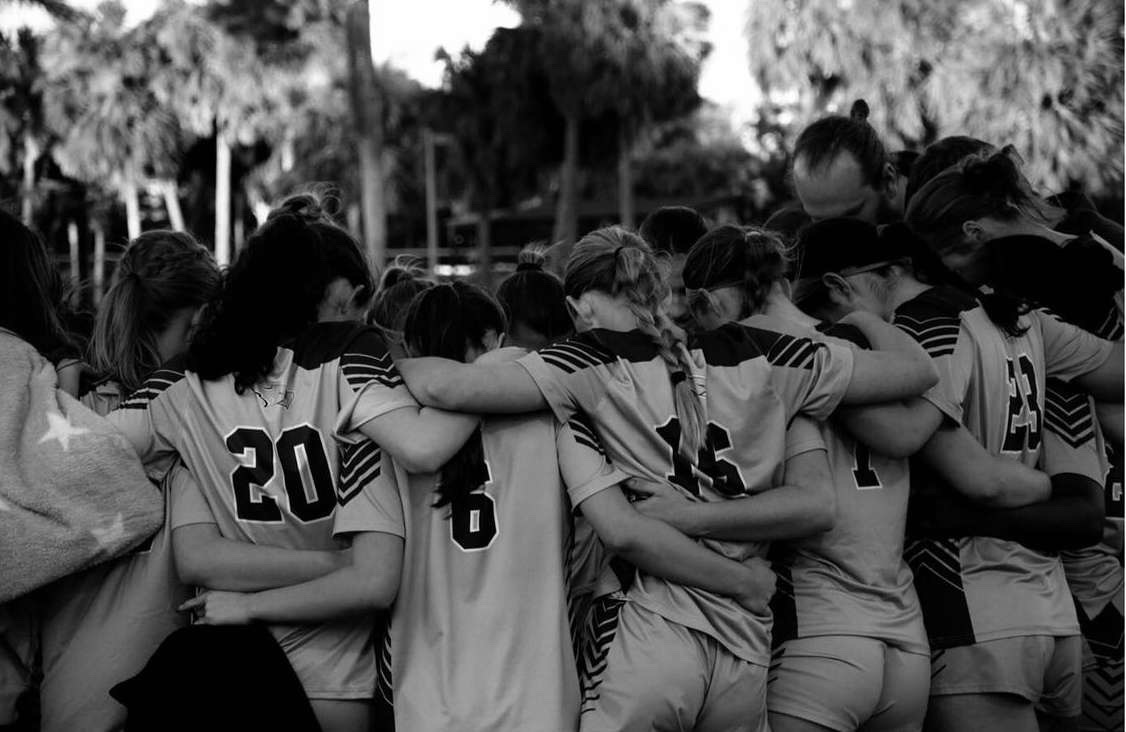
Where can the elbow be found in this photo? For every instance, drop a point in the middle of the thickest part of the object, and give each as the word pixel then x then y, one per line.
pixel 192 570
pixel 926 375
pixel 901 445
pixel 1090 531
pixel 416 459
pixel 378 591
pixel 822 518
pixel 622 541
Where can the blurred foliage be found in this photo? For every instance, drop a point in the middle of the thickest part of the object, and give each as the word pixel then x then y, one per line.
pixel 1043 75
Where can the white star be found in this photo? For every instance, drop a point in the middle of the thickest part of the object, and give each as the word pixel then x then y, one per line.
pixel 111 534
pixel 61 429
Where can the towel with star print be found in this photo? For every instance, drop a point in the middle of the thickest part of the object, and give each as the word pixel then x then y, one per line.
pixel 72 491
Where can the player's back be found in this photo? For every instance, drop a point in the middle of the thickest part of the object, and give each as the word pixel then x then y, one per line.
pixel 480 636
pixel 980 588
pixel 852 579
pixel 270 470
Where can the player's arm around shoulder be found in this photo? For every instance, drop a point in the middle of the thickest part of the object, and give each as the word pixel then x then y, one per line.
pixel 897 368
pixel 488 387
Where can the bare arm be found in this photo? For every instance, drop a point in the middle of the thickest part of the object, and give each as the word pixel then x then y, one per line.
pixel 420 439
pixel 1110 419
pixel 206 559
pixel 897 368
pixel 494 388
pixel 896 429
pixel 370 582
pixel 805 504
pixel 986 479
pixel 660 550
pixel 1071 519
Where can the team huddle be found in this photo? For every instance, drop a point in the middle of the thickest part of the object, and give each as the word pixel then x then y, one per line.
pixel 858 468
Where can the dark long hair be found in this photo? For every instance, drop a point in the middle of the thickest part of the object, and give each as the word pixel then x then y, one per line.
pixel 534 297
pixel 271 292
pixel 32 292
pixel 445 321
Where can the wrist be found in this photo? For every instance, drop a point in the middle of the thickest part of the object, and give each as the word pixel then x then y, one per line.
pixel 252 606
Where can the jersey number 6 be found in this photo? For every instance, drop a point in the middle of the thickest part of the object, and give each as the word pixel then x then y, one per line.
pixel 473 516
pixel 296 476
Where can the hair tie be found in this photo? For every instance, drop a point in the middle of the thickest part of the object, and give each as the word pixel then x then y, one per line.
pixel 677 377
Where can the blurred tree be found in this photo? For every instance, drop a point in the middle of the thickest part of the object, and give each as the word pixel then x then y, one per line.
pixel 495 104
pixel 58 9
pixel 21 111
pixel 1044 75
pixel 98 95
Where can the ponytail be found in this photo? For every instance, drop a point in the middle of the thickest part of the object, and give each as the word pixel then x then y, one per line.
pixel 754 260
pixel 618 262
pixel 160 274
pixel 534 298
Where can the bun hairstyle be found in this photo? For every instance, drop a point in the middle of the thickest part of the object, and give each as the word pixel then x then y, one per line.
pixel 446 320
pixel 403 268
pixel 619 263
pixel 31 291
pixel 940 155
pixel 673 229
pixel 534 297
pixel 820 143
pixel 754 260
pixel 272 291
pixel 161 273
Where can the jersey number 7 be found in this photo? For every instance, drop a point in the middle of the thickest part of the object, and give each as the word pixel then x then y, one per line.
pixel 296 475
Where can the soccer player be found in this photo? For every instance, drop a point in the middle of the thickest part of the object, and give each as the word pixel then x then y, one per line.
pixel 484 591
pixel 677 657
pixel 841 169
pixel 100 626
pixel 1001 624
pixel 256 414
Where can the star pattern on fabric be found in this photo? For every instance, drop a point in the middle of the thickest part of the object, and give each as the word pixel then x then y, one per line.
pixel 59 428
pixel 109 535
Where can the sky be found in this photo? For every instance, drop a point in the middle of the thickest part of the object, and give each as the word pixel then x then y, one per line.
pixel 408 33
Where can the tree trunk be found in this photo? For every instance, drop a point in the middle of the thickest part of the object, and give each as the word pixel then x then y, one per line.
pixel 132 204
pixel 30 155
pixel 99 262
pixel 367 115
pixel 75 255
pixel 566 210
pixel 239 224
pixel 172 203
pixel 222 199
pixel 625 179
pixel 431 201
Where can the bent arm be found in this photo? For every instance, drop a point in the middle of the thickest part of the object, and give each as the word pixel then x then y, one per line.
pixel 803 505
pixel 206 559
pixel 660 550
pixel 1071 519
pixel 495 388
pixel 1105 382
pixel 370 582
pixel 421 439
pixel 895 429
pixel 897 368
pixel 989 480
pixel 1110 419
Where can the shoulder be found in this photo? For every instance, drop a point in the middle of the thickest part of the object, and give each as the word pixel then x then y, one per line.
pixel 155 384
pixel 934 318
pixel 845 332
pixel 325 342
pixel 581 351
pixel 735 343
pixel 1067 413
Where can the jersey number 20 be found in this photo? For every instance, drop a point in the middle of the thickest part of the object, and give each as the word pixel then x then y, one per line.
pixel 296 477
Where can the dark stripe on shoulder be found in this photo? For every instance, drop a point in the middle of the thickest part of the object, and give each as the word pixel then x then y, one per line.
pixel 1067 413
pixel 845 332
pixel 155 384
pixel 575 353
pixel 359 465
pixel 584 432
pixel 934 319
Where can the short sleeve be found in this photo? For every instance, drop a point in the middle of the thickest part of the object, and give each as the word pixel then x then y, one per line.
pixel 376 507
pixel 145 417
pixel 811 376
pixel 1072 441
pixel 582 461
pixel 1070 352
pixel 952 351
pixel 802 436
pixel 370 385
pixel 556 385
pixel 188 506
